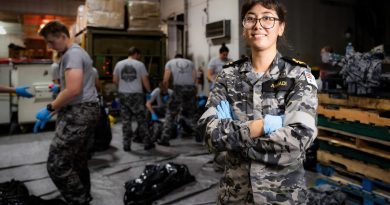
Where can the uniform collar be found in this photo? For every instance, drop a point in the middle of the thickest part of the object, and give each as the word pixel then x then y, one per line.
pixel 247 66
pixel 272 72
pixel 274 69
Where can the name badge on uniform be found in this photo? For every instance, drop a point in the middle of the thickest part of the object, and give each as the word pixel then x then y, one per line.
pixel 310 79
pixel 282 84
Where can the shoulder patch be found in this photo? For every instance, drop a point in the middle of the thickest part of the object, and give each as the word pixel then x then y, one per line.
pixel 294 61
pixel 310 79
pixel 234 63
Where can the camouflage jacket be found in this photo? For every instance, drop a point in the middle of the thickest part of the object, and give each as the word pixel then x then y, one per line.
pixel 286 88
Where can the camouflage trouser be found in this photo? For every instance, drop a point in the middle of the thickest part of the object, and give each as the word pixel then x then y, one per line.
pixel 278 185
pixel 156 127
pixel 235 186
pixel 133 109
pixel 67 162
pixel 219 161
pixel 255 183
pixel 183 101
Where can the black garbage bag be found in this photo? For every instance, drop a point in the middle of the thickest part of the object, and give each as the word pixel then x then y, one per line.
pixel 155 182
pixel 103 135
pixel 13 192
pixel 326 195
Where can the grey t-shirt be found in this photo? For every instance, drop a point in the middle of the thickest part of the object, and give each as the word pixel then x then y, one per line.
pixel 130 73
pixel 76 58
pixel 55 71
pixel 95 72
pixel 182 71
pixel 216 64
pixel 155 96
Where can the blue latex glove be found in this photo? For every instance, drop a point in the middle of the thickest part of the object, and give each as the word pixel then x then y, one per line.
pixel 272 123
pixel 55 88
pixel 202 102
pixel 22 91
pixel 165 98
pixel 154 117
pixel 223 110
pixel 43 116
pixel 148 96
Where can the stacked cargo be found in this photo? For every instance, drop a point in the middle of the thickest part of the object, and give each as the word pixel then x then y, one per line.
pixel 105 13
pixel 144 15
pixel 354 142
pixel 141 15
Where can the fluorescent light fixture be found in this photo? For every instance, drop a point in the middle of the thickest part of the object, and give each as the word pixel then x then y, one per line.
pixel 2 31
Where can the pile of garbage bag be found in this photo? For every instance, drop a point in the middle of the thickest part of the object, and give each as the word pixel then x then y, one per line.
pixel 155 182
pixel 14 192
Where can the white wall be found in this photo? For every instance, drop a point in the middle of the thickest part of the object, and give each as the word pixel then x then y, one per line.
pixel 169 9
pixel 229 10
pixel 198 47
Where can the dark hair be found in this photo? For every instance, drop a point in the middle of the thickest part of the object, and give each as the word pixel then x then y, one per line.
pixel 55 28
pixel 223 49
pixel 269 4
pixel 133 50
pixel 280 11
pixel 178 55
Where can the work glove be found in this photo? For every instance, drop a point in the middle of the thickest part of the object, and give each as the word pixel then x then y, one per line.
pixel 223 110
pixel 202 102
pixel 165 98
pixel 55 88
pixel 22 91
pixel 154 117
pixel 43 116
pixel 272 123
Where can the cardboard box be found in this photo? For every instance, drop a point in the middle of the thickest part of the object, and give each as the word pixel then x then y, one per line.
pixel 105 13
pixel 144 15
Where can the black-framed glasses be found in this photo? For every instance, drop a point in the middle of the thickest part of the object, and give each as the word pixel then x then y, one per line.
pixel 266 22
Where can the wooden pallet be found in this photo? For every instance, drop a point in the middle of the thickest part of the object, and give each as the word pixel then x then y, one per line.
pixel 366 198
pixel 364 144
pixel 354 154
pixel 356 101
pixel 341 175
pixel 353 115
pixel 354 166
pixel 375 133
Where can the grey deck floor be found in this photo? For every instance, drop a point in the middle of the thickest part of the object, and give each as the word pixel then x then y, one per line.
pixel 23 157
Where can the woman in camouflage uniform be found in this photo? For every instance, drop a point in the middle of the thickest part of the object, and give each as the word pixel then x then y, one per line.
pixel 262 111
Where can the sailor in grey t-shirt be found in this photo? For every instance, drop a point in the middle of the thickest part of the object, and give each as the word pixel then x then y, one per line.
pixel 76 58
pixel 55 72
pixel 130 73
pixel 161 100
pixel 131 77
pixel 183 101
pixel 158 97
pixel 215 66
pixel 183 71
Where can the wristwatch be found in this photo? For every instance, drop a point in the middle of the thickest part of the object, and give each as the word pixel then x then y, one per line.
pixel 50 107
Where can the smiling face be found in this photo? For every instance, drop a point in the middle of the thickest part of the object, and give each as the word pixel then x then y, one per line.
pixel 259 38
